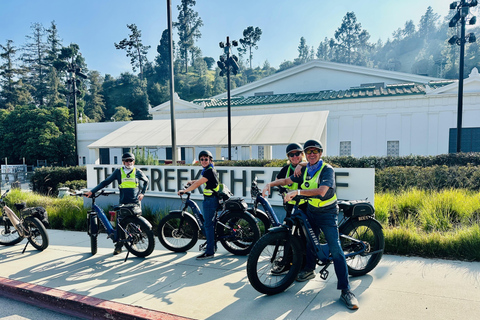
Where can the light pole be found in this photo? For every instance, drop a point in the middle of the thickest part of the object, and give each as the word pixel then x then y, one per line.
pixel 228 63
pixel 460 17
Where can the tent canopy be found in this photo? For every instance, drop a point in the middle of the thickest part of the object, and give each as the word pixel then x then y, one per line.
pixel 269 129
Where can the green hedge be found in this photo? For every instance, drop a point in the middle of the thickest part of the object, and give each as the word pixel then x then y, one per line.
pixel 432 178
pixel 47 179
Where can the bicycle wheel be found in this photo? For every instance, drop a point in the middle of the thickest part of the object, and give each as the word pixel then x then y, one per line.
pixel 93 233
pixel 8 234
pixel 238 232
pixel 370 233
pixel 177 232
pixel 36 233
pixel 263 221
pixel 274 262
pixel 140 240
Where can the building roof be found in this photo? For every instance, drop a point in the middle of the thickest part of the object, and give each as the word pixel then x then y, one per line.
pixel 403 89
pixel 276 129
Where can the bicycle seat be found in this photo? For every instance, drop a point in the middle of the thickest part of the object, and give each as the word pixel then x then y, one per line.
pixel 130 208
pixel 21 205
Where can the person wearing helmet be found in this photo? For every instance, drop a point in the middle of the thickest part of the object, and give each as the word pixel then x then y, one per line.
pixel 128 178
pixel 295 157
pixel 210 183
pixel 317 181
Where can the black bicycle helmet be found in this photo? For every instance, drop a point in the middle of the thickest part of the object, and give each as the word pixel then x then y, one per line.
pixel 128 155
pixel 294 147
pixel 205 153
pixel 312 144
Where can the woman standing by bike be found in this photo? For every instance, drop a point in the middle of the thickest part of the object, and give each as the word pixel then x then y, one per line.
pixel 210 182
pixel 318 182
pixel 295 157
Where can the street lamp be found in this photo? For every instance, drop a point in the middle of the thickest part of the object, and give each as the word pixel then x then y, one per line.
pixel 460 17
pixel 74 72
pixel 228 64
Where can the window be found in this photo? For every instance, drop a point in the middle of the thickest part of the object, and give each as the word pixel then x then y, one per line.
pixel 393 148
pixel 261 152
pixel 115 160
pixel 84 160
pixel 104 156
pixel 470 140
pixel 345 148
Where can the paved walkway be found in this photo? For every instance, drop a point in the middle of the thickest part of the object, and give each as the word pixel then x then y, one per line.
pixel 170 285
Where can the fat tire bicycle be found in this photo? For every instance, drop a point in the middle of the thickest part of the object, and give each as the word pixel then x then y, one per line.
pixel 14 229
pixel 234 227
pixel 277 258
pixel 131 229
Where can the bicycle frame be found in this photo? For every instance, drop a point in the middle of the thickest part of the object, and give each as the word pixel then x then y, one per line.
pixel 104 220
pixel 268 209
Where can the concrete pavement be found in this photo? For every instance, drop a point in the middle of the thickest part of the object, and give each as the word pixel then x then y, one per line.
pixel 166 285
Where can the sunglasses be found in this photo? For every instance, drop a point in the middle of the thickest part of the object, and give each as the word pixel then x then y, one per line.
pixel 204 159
pixel 314 151
pixel 294 154
pixel 128 160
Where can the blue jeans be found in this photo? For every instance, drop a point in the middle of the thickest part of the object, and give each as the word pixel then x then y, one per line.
pixel 210 205
pixel 327 222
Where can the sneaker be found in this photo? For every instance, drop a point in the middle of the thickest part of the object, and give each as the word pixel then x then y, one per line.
pixel 305 275
pixel 205 256
pixel 349 298
pixel 118 249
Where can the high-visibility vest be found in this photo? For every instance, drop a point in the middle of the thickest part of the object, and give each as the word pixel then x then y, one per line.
pixel 312 183
pixel 293 186
pixel 209 192
pixel 128 181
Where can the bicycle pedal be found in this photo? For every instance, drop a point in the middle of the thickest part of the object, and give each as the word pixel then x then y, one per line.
pixel 324 274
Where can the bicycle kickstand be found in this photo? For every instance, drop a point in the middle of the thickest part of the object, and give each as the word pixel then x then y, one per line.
pixel 24 248
pixel 126 257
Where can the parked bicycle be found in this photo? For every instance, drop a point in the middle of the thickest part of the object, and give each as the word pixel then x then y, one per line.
pixel 235 228
pixel 14 228
pixel 276 259
pixel 131 229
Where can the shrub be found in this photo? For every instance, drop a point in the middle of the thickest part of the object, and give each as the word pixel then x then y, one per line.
pixel 45 180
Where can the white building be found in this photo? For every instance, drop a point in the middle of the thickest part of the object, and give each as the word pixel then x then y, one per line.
pixel 352 110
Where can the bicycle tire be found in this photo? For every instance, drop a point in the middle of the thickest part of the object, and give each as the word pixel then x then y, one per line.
pixel 8 234
pixel 237 232
pixel 267 255
pixel 93 233
pixel 263 221
pixel 177 232
pixel 36 233
pixel 140 239
pixel 369 232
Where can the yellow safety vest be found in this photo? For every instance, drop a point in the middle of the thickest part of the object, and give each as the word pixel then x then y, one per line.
pixel 293 186
pixel 209 192
pixel 312 183
pixel 128 182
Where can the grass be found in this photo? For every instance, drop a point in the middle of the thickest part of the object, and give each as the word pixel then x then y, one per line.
pixel 443 224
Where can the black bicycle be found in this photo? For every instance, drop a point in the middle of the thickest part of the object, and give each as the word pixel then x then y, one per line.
pixel 131 229
pixel 277 258
pixel 235 228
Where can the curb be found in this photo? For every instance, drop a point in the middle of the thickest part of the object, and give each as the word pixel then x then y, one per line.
pixel 77 305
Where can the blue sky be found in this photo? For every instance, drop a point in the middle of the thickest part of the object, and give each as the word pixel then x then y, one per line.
pixel 96 24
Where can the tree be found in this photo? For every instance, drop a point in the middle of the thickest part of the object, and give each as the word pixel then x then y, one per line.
pixel 303 52
pixel 251 36
pixel 209 61
pixel 13 92
pixel 34 58
pixel 162 60
pixel 188 27
pixel 351 41
pixel 122 114
pixel 428 22
pixel 94 100
pixel 135 49
pixel 55 86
